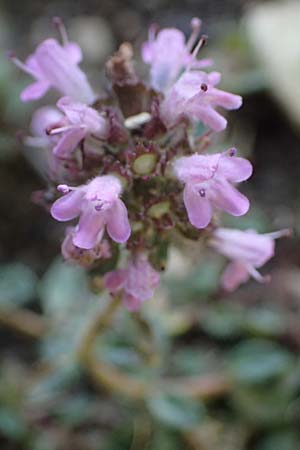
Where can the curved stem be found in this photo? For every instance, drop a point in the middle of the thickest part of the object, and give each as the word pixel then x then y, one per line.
pixel 23 321
pixel 104 374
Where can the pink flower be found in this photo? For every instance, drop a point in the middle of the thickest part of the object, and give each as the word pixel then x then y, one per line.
pixel 247 250
pixel 99 206
pixel 42 119
pixel 54 65
pixel 83 257
pixel 80 121
pixel 208 181
pixel 138 282
pixel 168 54
pixel 195 96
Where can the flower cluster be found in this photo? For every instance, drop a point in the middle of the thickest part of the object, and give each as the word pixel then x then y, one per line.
pixel 130 165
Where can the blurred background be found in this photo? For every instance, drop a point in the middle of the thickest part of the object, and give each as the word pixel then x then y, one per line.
pixel 235 358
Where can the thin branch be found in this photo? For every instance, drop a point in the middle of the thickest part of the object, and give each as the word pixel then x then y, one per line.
pixel 23 321
pixel 104 374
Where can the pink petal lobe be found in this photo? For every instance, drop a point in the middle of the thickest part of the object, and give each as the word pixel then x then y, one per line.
pixel 209 117
pixel 67 207
pixel 74 52
pixel 118 226
pixel 235 169
pixel 131 303
pixel 90 229
pixel 115 280
pixel 235 274
pixel 198 208
pixel 214 78
pixel 227 198
pixel 226 99
pixel 34 91
pixel 68 142
pixel 147 49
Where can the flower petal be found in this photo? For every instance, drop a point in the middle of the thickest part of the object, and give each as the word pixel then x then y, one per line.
pixel 67 207
pixel 118 226
pixel 226 99
pixel 248 246
pixel 89 230
pixel 227 198
pixel 115 280
pixel 68 143
pixel 74 52
pixel 202 63
pixel 34 91
pixel 131 303
pixel 235 274
pixel 207 115
pixel 214 78
pixel 198 208
pixel 234 169
pixel 57 67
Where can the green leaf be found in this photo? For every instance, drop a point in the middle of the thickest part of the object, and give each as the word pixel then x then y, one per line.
pixel 54 383
pixel 258 361
pixel 262 406
pixel 11 424
pixel 223 321
pixel 205 279
pixel 176 411
pixel 194 361
pixel 265 322
pixel 120 438
pixel 280 440
pixel 17 284
pixel 63 289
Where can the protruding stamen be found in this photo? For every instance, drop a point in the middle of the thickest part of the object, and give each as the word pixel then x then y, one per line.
pixel 202 193
pixel 201 43
pixel 12 55
pixel 196 26
pixel 60 26
pixel 60 130
pixel 257 276
pixel 196 23
pixel 64 188
pixel 286 232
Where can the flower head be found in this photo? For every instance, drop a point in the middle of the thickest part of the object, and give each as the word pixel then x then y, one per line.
pixel 56 66
pixel 208 185
pixel 138 282
pixel 99 206
pixel 195 96
pixel 247 250
pixel 167 53
pixel 79 122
